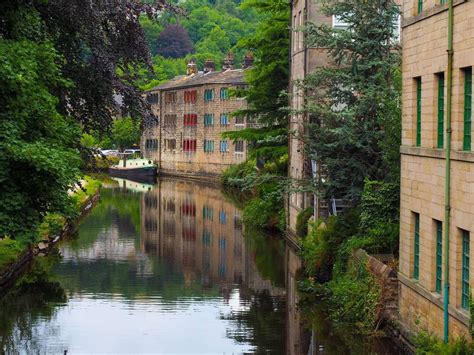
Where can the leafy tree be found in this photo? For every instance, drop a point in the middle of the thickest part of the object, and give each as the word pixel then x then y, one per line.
pixel 354 102
pixel 38 155
pixel 174 42
pixel 152 30
pixel 269 75
pixel 125 132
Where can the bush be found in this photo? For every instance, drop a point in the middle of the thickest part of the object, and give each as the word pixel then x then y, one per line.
pixel 52 225
pixel 430 345
pixel 10 249
pixel 355 298
pixel 302 222
pixel 320 248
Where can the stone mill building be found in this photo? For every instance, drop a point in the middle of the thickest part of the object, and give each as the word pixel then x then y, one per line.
pixel 193 111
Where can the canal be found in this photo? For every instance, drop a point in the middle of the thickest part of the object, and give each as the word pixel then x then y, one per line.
pixel 167 268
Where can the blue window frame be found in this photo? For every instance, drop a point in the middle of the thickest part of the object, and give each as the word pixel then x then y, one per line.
pixel 224 146
pixel 224 119
pixel 222 217
pixel 208 146
pixel 224 94
pixel 208 95
pixel 465 295
pixel 208 119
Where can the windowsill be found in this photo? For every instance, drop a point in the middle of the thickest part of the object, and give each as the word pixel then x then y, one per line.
pixel 457 313
pixel 456 155
pixel 428 13
pixel 239 153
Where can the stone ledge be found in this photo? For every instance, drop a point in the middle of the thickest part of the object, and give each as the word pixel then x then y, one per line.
pixel 437 153
pixel 428 13
pixel 434 299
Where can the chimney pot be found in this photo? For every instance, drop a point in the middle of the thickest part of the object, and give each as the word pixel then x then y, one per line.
pixel 192 67
pixel 228 61
pixel 209 66
pixel 248 61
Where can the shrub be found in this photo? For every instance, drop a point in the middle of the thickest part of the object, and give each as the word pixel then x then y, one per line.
pixel 431 345
pixel 9 251
pixel 302 222
pixel 51 225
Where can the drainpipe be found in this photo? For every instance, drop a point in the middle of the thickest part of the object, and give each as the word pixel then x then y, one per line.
pixel 447 194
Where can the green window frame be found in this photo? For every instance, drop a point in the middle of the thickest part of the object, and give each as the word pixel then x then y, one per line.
pixel 420 6
pixel 418 112
pixel 441 110
pixel 224 93
pixel 208 146
pixel 416 259
pixel 465 289
pixel 442 2
pixel 208 119
pixel 439 255
pixel 467 109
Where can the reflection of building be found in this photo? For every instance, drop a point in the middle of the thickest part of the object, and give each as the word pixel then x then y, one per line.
pixel 191 226
pixel 193 111
pixel 423 168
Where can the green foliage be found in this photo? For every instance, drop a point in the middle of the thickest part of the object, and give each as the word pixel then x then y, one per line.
pixel 431 345
pixel 355 103
pixel 321 247
pixel 39 159
pixel 355 298
pixel 269 75
pixel 90 188
pixel 51 225
pixel 125 132
pixel 88 140
pixel 10 249
pixel 302 222
pixel 379 216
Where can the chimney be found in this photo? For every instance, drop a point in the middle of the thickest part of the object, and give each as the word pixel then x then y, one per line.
pixel 209 66
pixel 228 62
pixel 248 61
pixel 191 68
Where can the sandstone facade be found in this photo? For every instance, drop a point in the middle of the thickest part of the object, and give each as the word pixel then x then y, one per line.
pixel 193 111
pixel 423 167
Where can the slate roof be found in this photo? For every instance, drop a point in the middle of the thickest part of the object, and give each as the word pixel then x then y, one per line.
pixel 230 76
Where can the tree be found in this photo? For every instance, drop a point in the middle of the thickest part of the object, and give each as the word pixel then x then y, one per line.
pixel 38 156
pixel 354 102
pixel 125 133
pixel 174 42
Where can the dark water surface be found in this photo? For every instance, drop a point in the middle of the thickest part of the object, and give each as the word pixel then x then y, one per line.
pixel 166 268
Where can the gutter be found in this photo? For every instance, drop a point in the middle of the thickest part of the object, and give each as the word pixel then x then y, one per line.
pixel 447 193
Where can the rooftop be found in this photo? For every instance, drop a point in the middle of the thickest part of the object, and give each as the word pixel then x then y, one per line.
pixel 229 76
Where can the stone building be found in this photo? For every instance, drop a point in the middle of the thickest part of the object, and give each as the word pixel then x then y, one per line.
pixel 193 111
pixel 303 60
pixel 423 167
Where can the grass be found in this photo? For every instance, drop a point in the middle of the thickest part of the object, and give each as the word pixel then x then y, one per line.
pixel 90 189
pixel 10 250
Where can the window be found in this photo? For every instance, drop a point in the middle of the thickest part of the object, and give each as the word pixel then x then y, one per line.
pixel 208 146
pixel 206 238
pixel 170 120
pixel 170 97
pixel 151 144
pixel 239 146
pixel 465 293
pixel 190 119
pixel 239 121
pixel 224 120
pixel 190 96
pixel 441 110
pixel 207 213
pixel 418 111
pixel 152 98
pixel 224 146
pixel 222 217
pixel 189 145
pixel 442 2
pixel 208 119
pixel 338 23
pixel 224 94
pixel 170 144
pixel 467 109
pixel 416 260
pixel 439 255
pixel 208 95
pixel 420 6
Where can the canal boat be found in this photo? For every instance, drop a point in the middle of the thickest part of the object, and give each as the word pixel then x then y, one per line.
pixel 134 168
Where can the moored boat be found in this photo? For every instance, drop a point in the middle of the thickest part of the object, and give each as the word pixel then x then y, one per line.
pixel 134 168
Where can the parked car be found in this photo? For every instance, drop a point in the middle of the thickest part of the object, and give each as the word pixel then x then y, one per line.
pixel 109 152
pixel 131 151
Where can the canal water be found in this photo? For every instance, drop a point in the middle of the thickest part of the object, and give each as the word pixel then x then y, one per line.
pixel 167 268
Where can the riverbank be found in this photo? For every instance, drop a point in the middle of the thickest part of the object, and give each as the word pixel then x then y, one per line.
pixel 14 257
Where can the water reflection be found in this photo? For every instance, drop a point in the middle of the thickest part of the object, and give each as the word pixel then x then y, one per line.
pixel 157 269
